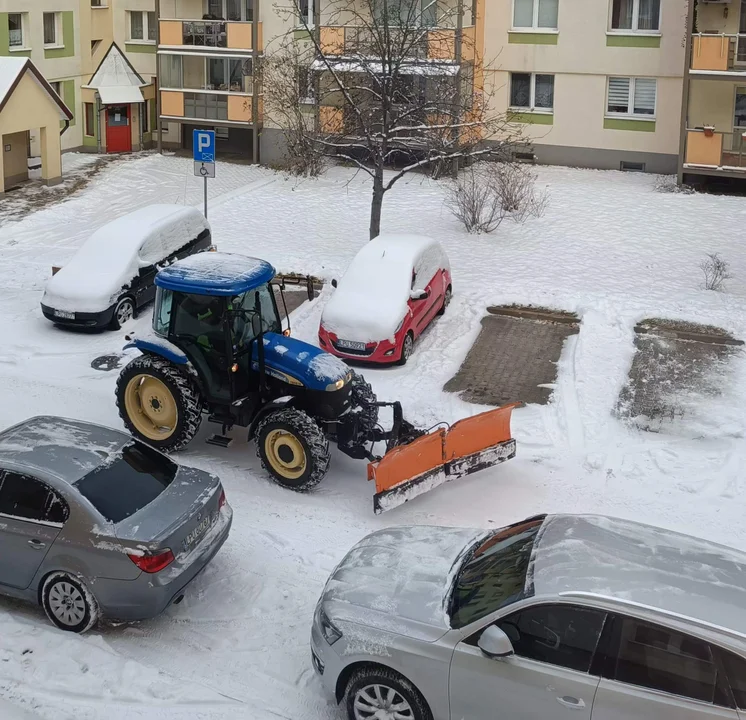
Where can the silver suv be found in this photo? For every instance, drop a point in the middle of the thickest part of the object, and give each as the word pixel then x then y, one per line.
pixel 559 616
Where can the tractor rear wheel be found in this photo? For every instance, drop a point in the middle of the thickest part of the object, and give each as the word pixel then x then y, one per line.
pixel 158 403
pixel 293 449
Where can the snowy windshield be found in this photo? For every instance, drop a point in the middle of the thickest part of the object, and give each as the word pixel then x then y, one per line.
pixel 494 573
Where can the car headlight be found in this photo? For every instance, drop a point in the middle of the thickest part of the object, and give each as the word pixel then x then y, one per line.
pixel 328 630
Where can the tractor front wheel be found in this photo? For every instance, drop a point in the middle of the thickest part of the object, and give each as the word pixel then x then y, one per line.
pixel 293 449
pixel 158 403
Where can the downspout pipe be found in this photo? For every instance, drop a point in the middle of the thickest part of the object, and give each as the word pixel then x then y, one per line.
pixel 67 125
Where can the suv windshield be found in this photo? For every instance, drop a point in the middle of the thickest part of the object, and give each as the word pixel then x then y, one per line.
pixel 494 573
pixel 120 488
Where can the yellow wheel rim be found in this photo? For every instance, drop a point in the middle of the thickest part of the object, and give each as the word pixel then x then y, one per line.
pixel 151 407
pixel 285 454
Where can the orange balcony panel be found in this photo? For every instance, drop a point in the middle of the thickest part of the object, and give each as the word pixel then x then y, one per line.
pixel 468 44
pixel 703 150
pixel 172 103
pixel 710 53
pixel 239 108
pixel 331 120
pixel 332 40
pixel 239 36
pixel 171 33
pixel 441 45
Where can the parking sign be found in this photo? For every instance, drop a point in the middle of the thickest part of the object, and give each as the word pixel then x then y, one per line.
pixel 203 143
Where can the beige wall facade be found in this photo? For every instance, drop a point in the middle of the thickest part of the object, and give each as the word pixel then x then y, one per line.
pixel 581 54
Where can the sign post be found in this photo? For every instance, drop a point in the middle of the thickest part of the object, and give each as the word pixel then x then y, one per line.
pixel 203 146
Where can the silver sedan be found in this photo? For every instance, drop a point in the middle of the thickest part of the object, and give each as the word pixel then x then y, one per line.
pixel 96 525
pixel 559 616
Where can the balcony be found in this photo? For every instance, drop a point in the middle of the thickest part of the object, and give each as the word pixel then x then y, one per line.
pixel 715 54
pixel 209 35
pixel 715 152
pixel 220 108
pixel 435 44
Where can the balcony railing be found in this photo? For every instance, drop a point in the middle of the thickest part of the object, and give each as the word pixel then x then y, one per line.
pixel 209 34
pixel 349 41
pixel 193 105
pixel 716 150
pixel 716 52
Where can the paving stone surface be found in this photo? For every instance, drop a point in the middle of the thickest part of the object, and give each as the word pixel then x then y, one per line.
pixel 511 360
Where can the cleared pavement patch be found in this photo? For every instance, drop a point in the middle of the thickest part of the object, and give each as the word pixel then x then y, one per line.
pixel 515 357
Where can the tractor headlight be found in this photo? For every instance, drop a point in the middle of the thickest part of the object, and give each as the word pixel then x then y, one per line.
pixel 328 630
pixel 336 385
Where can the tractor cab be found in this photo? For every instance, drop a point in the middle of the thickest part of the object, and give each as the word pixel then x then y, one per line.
pixel 214 308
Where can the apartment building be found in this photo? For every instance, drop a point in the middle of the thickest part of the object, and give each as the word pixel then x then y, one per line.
pixel 713 139
pixel 593 83
pixel 99 56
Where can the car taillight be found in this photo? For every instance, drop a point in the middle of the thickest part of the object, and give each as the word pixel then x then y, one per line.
pixel 222 500
pixel 153 563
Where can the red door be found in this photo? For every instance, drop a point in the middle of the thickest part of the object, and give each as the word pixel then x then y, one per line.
pixel 118 132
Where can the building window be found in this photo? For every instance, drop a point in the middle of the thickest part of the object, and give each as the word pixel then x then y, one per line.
pixel 16 30
pixel 636 15
pixel 170 71
pixel 233 10
pixel 532 91
pixel 204 106
pixel 631 96
pixel 222 133
pixel 146 117
pixel 225 74
pixel 142 26
pixel 52 34
pixel 535 14
pixel 90 119
pixel 57 87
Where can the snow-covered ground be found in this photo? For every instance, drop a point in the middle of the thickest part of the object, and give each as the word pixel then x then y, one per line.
pixel 608 247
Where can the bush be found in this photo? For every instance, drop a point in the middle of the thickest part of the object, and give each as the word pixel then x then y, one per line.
pixel 486 193
pixel 716 271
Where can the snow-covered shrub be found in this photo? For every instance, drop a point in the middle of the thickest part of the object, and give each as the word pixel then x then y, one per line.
pixel 485 193
pixel 716 271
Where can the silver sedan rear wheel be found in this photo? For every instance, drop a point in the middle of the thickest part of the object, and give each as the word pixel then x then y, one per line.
pixel 68 604
pixel 380 702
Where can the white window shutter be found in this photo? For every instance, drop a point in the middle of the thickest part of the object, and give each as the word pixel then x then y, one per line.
pixel 645 91
pixel 618 94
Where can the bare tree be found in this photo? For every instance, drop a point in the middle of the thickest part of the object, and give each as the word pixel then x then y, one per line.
pixel 716 271
pixel 399 85
pixel 486 193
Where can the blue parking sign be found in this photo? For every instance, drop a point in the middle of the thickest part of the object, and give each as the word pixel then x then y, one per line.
pixel 203 144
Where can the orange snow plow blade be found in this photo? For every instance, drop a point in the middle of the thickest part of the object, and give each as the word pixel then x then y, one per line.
pixel 468 446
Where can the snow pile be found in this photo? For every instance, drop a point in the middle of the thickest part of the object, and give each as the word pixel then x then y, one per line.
pixel 370 301
pixel 112 257
pixel 224 273
pixel 327 367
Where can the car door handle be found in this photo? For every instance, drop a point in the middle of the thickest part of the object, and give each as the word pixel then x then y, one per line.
pixel 37 544
pixel 571 702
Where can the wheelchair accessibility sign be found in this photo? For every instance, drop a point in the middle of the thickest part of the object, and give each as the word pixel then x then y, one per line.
pixel 203 145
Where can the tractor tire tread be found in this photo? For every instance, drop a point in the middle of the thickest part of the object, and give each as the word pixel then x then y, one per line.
pixel 363 397
pixel 309 431
pixel 185 392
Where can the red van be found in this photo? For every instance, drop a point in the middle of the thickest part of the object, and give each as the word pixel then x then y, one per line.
pixel 393 289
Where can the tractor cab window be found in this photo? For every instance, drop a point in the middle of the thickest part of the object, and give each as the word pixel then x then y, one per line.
pixel 162 316
pixel 246 323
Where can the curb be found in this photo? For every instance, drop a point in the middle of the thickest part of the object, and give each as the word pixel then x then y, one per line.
pixel 686 335
pixel 527 313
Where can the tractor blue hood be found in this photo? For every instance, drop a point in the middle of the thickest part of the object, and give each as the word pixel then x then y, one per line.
pixel 286 356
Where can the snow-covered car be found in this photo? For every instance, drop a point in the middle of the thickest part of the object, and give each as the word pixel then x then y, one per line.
pixel 94 524
pixel 558 616
pixel 112 274
pixel 392 290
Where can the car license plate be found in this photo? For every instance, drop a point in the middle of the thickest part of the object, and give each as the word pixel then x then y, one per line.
pixel 191 539
pixel 64 314
pixel 351 345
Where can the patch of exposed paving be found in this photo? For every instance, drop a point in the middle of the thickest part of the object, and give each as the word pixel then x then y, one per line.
pixel 514 359
pixel 676 365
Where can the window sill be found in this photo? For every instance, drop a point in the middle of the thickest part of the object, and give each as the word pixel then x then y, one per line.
pixel 19 49
pixel 633 33
pixel 535 31
pixel 54 47
pixel 99 7
pixel 140 42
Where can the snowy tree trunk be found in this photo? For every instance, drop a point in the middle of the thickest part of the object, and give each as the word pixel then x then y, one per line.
pixel 377 203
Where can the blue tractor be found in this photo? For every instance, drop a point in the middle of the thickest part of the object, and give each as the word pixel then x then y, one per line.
pixel 218 349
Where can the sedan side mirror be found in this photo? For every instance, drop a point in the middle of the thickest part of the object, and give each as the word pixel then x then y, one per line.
pixel 494 643
pixel 419 295
pixel 334 283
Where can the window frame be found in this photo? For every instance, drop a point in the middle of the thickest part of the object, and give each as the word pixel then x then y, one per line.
pixel 635 21
pixel 24 33
pixel 531 108
pixel 631 114
pixel 608 667
pixel 51 492
pixel 59 40
pixel 534 27
pixel 86 125
pixel 243 5
pixel 145 16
